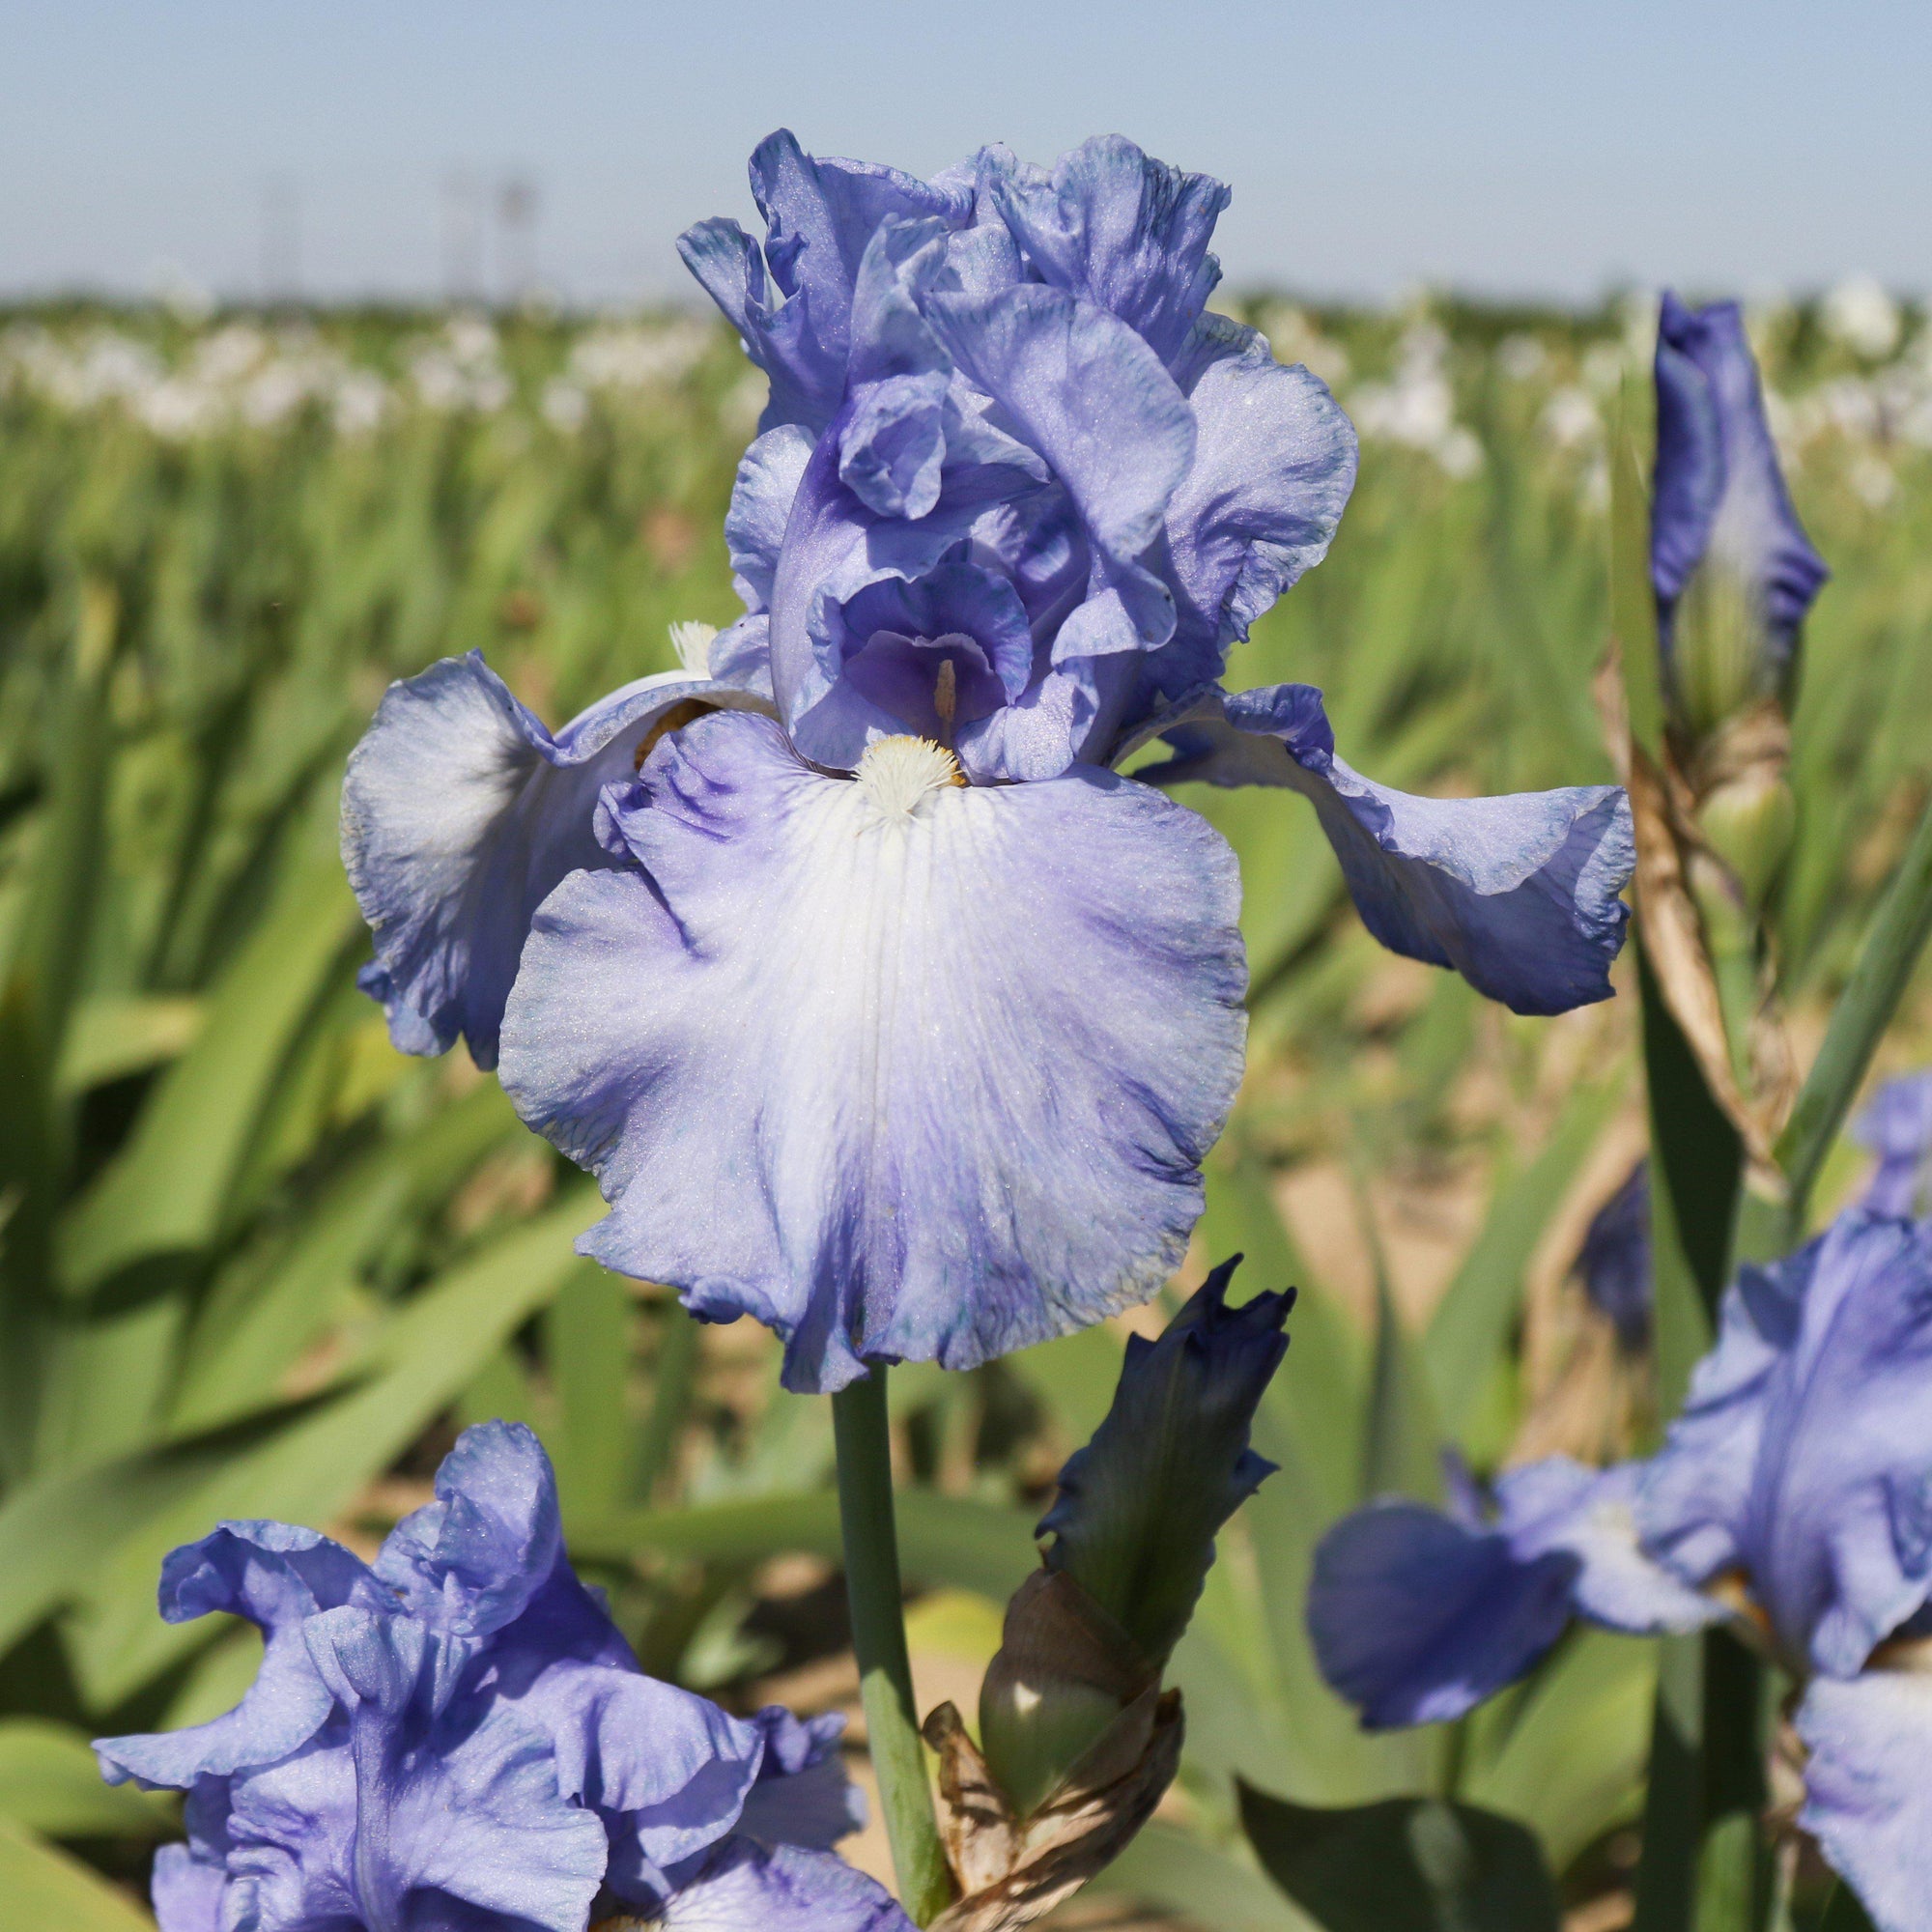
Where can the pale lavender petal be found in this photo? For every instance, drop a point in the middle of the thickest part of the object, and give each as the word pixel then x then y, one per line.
pixel 1868 1795
pixel 1896 1125
pixel 1519 894
pixel 802 1796
pixel 769 473
pixel 926 1080
pixel 460 813
pixel 187 1891
pixel 780 1888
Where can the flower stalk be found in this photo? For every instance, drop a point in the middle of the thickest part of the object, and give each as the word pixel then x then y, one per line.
pixel 863 1436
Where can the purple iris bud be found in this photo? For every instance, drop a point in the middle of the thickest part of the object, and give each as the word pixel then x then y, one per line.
pixel 1733 570
pixel 459 1736
pixel 1897 1127
pixel 885 1006
pixel 1614 1260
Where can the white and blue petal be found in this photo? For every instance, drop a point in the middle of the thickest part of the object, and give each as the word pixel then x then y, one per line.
pixel 275 1577
pixel 1868 1792
pixel 1519 894
pixel 1275 461
pixel 778 1889
pixel 460 813
pixel 901 1068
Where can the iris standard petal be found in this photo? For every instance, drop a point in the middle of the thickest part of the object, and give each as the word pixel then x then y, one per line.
pixel 1275 461
pixel 780 1888
pixel 900 1068
pixel 1519 894
pixel 1128 233
pixel 1868 1799
pixel 1838 1529
pixel 1080 387
pixel 185 1891
pixel 1416 1619
pixel 802 1795
pixel 470 1561
pixel 460 813
pixel 1897 1127
pixel 274 1575
pixel 769 473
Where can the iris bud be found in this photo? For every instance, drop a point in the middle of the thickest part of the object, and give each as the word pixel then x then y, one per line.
pixel 1748 822
pixel 1077 1676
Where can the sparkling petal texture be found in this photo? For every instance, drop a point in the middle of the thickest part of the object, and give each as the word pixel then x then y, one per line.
pixel 931 1084
pixel 780 1888
pixel 460 813
pixel 1867 1798
pixel 1719 501
pixel 1519 894
pixel 1803 1455
pixel 477 1749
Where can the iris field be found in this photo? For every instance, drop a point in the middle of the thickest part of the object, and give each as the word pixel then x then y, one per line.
pixel 257 1263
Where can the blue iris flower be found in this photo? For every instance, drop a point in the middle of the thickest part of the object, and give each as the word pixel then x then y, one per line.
pixel 1614 1260
pixel 886 1008
pixel 459 1738
pixel 1794 1493
pixel 1722 528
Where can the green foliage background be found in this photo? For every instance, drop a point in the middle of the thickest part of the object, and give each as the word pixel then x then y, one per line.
pixel 253 1263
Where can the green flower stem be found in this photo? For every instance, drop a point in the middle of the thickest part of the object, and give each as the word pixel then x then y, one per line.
pixel 864 1441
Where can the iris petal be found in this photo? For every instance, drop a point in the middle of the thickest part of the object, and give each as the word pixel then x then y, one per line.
pixel 930 1084
pixel 1519 894
pixel 782 1889
pixel 459 812
pixel 1867 1799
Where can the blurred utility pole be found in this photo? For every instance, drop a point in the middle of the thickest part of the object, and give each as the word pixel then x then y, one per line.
pixel 462 238
pixel 281 241
pixel 517 239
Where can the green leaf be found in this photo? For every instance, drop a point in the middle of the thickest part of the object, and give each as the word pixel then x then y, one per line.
pixel 44 1891
pixel 1073 1377
pixel 119 1034
pixel 1406 1864
pixel 951 1541
pixel 1843 1913
pixel 50 1782
pixel 169 1189
pixel 310 1472
pixel 1573 1762
pixel 1633 599
pixel 1402 1450
pixel 1470 1329
pixel 587 1330
pixel 1174 1871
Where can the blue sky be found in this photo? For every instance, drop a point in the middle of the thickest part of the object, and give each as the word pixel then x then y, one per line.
pixel 1504 148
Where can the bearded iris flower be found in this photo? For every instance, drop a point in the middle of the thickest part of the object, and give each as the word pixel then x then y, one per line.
pixel 885 1004
pixel 459 1736
pixel 1794 1494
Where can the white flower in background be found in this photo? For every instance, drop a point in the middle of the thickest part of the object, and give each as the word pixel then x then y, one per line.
pixel 1296 336
pixel 565 406
pixel 360 402
pixel 1603 366
pixel 638 355
pixel 460 368
pixel 1416 406
pixel 1873 480
pixel 1570 419
pixel 1522 358
pixel 1862 316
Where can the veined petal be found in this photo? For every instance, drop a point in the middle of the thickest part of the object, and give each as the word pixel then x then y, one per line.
pixel 780 1888
pixel 802 1796
pixel 1416 1619
pixel 1519 894
pixel 187 1891
pixel 1867 1799
pixel 275 1575
pixel 903 1070
pixel 1275 461
pixel 769 473
pixel 460 813
pixel 1128 233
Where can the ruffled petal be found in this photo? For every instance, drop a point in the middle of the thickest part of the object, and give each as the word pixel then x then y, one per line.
pixel 187 1891
pixel 1275 461
pixel 902 1068
pixel 460 813
pixel 1416 1619
pixel 275 1577
pixel 1519 894
pixel 802 1796
pixel 1719 500
pixel 1558 1504
pixel 769 474
pixel 1898 1126
pixel 1128 233
pixel 470 1562
pixel 780 1888
pixel 1080 387
pixel 1867 1798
